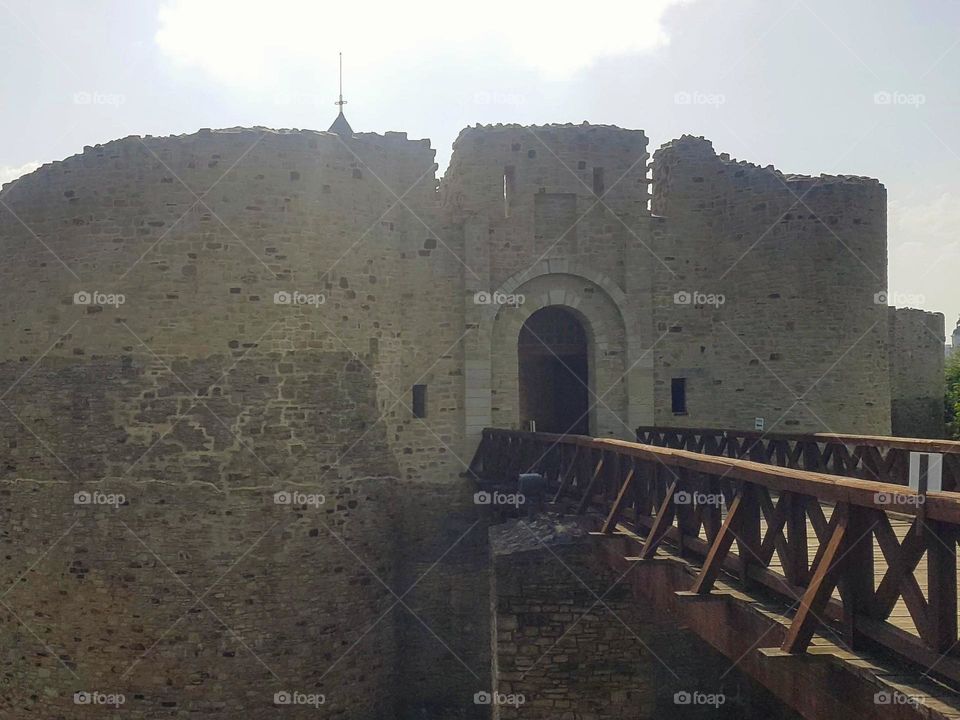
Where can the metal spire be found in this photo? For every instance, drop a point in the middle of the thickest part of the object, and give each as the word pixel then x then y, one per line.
pixel 341 102
pixel 340 124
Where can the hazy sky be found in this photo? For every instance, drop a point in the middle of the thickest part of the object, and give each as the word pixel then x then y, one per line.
pixel 865 87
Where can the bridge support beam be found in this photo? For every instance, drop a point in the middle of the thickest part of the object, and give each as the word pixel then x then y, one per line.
pixel 825 683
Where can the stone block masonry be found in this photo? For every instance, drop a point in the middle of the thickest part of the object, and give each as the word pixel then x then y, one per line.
pixel 916 373
pixel 187 600
pixel 198 322
pixel 769 305
pixel 205 235
pixel 571 643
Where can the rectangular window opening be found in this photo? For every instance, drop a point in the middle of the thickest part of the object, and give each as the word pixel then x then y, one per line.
pixel 419 401
pixel 678 396
pixel 598 187
pixel 509 185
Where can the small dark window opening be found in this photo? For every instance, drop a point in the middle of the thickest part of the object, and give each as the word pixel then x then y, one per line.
pixel 598 181
pixel 678 395
pixel 509 185
pixel 419 401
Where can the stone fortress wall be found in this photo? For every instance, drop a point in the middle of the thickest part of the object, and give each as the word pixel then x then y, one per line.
pixel 559 214
pixel 297 212
pixel 200 397
pixel 799 339
pixel 916 372
pixel 554 213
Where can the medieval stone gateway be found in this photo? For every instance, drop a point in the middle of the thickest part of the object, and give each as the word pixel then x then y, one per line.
pixel 243 372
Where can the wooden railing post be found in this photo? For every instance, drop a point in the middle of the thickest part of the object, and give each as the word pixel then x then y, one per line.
pixel 826 571
pixel 661 524
pixel 503 466
pixel 584 468
pixel 476 468
pixel 687 524
pixel 612 477
pixel 569 471
pixel 491 461
pixel 942 585
pixel 856 581
pixel 951 473
pixel 712 514
pixel 748 534
pixel 527 456
pixel 795 565
pixel 588 488
pixel 812 459
pixel 719 548
pixel 625 489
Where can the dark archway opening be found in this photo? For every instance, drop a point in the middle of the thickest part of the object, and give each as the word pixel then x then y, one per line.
pixel 554 372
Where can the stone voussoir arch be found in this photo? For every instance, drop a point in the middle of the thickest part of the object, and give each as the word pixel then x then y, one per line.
pixel 492 365
pixel 562 266
pixel 565 297
pixel 600 306
pixel 596 328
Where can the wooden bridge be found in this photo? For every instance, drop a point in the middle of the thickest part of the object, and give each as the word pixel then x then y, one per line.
pixel 806 559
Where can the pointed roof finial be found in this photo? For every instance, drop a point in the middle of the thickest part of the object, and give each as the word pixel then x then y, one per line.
pixel 340 125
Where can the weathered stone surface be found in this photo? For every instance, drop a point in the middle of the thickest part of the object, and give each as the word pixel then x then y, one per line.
pixel 573 642
pixel 916 373
pixel 282 293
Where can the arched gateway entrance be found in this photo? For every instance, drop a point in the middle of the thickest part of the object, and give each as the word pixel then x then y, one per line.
pixel 554 372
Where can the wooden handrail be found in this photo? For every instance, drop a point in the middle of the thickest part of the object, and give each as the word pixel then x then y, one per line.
pixel 705 505
pixel 884 459
pixel 884 441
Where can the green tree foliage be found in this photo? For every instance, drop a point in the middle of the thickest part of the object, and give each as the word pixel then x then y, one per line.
pixel 953 395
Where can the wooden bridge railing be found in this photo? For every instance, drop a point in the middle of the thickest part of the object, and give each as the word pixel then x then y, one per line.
pixel 705 505
pixel 886 459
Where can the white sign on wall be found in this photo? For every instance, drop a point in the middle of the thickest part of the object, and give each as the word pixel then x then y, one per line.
pixel 929 466
pixel 758 423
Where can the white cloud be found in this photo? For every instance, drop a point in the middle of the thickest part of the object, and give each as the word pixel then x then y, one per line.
pixel 8 173
pixel 925 251
pixel 251 44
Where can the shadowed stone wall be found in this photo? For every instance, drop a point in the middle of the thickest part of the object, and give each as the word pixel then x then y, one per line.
pixel 572 642
pixel 203 394
pixel 189 600
pixel 917 382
